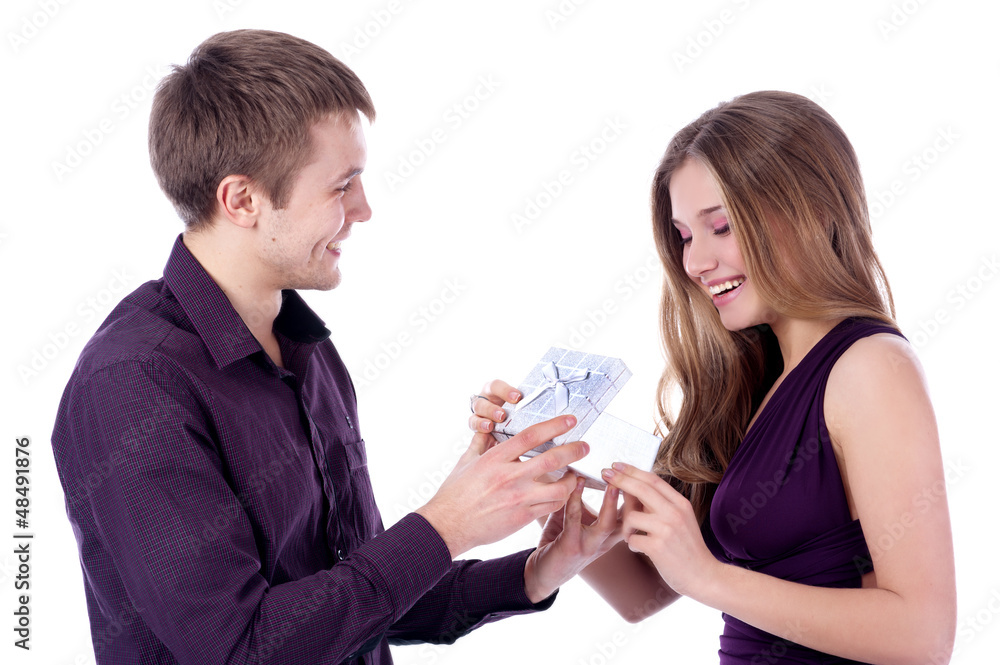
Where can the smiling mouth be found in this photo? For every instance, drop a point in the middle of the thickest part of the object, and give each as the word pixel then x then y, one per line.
pixel 334 246
pixel 725 287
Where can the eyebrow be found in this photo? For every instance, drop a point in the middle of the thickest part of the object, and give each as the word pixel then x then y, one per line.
pixel 701 213
pixel 350 174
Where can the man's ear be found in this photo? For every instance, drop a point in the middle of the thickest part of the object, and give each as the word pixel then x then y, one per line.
pixel 239 200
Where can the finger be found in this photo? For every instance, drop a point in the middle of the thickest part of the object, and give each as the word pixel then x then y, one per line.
pixel 638 542
pixel 629 506
pixel 574 510
pixel 534 436
pixel 502 391
pixel 639 487
pixel 645 522
pixel 487 409
pixel 480 444
pixel 558 457
pixel 607 519
pixel 479 424
pixel 650 478
pixel 559 491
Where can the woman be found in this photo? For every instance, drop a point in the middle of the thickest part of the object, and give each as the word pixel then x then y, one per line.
pixel 800 487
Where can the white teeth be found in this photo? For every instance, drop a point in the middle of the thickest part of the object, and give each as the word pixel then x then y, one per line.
pixel 719 288
pixel 333 246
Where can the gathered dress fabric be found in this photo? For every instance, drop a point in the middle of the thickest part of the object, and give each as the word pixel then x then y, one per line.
pixel 780 508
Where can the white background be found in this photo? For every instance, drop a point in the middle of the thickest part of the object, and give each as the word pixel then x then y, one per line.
pixel 69 240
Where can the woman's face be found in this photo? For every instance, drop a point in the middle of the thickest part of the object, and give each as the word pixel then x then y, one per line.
pixel 711 256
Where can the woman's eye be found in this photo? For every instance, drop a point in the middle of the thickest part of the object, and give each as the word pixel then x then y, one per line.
pixel 722 230
pixel 685 240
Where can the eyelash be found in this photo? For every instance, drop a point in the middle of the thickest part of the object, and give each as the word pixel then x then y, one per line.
pixel 721 231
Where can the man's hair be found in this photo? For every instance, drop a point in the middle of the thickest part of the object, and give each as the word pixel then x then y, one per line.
pixel 244 104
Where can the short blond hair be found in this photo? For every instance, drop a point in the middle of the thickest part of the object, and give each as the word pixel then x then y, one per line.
pixel 243 104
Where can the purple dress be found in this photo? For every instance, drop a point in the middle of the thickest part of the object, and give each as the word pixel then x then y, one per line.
pixel 781 509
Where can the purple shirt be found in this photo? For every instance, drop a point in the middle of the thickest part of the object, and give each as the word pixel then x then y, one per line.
pixel 222 504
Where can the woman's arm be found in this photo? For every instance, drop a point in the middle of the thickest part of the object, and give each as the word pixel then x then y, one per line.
pixel 880 418
pixel 629 583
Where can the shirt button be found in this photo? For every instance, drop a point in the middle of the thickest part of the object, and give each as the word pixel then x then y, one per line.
pixel 340 554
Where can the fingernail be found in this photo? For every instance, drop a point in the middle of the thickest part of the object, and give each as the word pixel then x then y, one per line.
pixel 586 447
pixel 486 426
pixel 579 483
pixel 499 415
pixel 614 493
pixel 570 421
pixel 607 474
pixel 618 466
pixel 513 396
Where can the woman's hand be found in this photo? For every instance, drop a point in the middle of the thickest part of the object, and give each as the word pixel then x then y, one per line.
pixel 660 523
pixel 571 539
pixel 486 412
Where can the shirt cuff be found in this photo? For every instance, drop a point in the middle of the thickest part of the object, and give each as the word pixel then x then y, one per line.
pixel 496 587
pixel 409 557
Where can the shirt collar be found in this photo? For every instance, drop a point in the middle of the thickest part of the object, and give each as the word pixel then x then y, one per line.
pixel 217 322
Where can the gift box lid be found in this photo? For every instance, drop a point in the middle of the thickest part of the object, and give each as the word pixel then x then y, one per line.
pixel 565 382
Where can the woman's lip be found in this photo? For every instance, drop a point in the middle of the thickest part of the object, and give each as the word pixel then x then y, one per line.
pixel 725 279
pixel 728 296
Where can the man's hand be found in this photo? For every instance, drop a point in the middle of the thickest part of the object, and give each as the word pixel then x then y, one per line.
pixel 491 493
pixel 572 538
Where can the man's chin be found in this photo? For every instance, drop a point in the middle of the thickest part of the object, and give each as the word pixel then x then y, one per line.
pixel 324 283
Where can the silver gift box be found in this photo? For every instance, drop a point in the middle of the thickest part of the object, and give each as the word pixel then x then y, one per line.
pixel 582 384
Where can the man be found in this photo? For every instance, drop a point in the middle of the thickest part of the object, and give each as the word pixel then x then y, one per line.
pixel 208 439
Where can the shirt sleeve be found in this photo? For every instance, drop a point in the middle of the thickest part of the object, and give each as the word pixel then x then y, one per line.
pixel 160 528
pixel 472 594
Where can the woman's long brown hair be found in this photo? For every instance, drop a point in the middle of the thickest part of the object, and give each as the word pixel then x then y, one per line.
pixel 791 185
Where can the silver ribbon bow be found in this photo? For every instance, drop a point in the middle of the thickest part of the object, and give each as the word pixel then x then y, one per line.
pixel 557 382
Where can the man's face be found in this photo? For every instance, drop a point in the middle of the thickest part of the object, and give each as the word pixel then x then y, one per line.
pixel 300 245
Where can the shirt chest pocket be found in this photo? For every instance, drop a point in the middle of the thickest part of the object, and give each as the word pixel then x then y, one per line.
pixel 356 509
